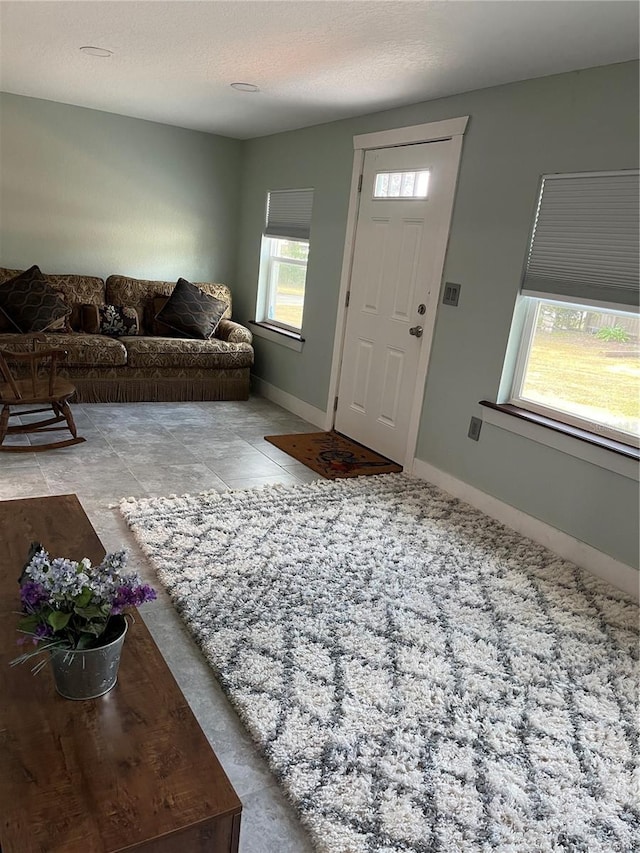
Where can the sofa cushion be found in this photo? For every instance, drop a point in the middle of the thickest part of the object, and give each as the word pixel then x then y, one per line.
pixel 30 302
pixel 74 288
pixel 82 350
pixel 191 312
pixel 186 352
pixel 139 294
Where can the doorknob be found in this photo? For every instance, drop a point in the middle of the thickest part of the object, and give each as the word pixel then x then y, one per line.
pixel 417 331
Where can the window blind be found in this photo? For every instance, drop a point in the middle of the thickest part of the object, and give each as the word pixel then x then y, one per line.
pixel 585 239
pixel 289 214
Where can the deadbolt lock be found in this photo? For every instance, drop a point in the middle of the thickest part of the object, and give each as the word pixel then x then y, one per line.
pixel 422 308
pixel 417 331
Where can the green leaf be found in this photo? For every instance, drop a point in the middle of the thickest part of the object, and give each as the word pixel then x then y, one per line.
pixel 89 612
pixel 95 628
pixel 29 623
pixel 58 620
pixel 83 599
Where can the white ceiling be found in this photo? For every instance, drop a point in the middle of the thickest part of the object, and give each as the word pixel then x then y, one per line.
pixel 313 60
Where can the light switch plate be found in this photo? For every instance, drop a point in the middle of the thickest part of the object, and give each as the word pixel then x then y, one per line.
pixel 451 293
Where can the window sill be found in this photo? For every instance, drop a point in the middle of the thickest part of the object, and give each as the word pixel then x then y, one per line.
pixel 604 452
pixel 291 340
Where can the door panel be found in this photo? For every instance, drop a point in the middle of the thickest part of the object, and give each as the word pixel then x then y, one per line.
pixel 396 242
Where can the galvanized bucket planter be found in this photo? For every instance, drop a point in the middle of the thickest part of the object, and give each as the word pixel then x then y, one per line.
pixel 88 673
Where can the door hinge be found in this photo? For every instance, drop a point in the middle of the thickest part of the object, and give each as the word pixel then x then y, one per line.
pixel 335 405
pixel 360 184
pixel 346 304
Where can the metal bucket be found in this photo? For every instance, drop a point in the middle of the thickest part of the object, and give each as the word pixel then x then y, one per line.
pixel 88 673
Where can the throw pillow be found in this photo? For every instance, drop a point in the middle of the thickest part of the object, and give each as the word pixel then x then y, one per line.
pixel 156 327
pixel 90 319
pixel 5 323
pixel 64 324
pixel 30 303
pixel 191 312
pixel 118 321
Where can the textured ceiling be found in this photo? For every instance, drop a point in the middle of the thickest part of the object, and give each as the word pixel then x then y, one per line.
pixel 313 61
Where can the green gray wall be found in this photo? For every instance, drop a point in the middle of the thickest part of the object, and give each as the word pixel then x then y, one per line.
pixel 83 191
pixel 586 120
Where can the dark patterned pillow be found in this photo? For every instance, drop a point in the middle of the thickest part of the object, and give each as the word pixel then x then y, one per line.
pixel 156 327
pixel 117 321
pixel 30 303
pixel 191 311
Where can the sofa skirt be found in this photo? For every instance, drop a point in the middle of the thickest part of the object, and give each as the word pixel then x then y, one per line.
pixel 221 385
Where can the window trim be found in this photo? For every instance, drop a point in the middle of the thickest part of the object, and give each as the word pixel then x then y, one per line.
pixel 620 459
pixel 557 416
pixel 290 340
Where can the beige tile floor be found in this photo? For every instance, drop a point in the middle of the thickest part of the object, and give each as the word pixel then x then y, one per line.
pixel 153 449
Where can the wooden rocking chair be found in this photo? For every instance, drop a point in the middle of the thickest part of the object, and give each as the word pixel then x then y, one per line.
pixel 42 387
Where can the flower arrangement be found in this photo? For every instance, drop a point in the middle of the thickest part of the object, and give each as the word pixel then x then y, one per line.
pixel 70 605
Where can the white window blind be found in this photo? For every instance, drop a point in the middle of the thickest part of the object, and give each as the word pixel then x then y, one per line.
pixel 289 214
pixel 585 239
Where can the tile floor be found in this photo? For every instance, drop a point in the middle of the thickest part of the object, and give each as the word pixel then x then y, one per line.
pixel 152 449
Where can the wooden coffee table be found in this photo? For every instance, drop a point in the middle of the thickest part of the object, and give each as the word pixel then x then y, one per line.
pixel 131 770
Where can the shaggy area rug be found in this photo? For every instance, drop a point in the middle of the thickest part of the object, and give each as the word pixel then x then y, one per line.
pixel 419 677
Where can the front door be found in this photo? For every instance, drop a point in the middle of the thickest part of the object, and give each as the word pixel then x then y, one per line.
pixel 403 223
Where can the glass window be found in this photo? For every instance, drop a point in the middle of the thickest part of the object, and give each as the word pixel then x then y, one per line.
pixel 580 364
pixel 401 184
pixel 284 271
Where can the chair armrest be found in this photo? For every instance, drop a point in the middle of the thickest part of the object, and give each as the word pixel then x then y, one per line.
pixel 233 333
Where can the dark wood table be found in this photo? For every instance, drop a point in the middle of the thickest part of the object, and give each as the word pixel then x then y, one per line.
pixel 131 770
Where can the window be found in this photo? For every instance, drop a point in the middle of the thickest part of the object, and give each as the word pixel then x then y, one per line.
pixel 401 184
pixel 580 365
pixel 578 358
pixel 283 260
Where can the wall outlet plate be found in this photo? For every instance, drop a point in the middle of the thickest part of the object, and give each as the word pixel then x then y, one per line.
pixel 451 293
pixel 474 428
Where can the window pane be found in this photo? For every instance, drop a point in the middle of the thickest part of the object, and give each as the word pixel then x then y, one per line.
pixel 295 249
pixel 584 362
pixel 287 293
pixel 401 184
pixel 382 185
pixel 408 180
pixel 395 182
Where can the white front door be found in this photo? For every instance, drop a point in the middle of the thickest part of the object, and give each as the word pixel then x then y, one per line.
pixel 395 281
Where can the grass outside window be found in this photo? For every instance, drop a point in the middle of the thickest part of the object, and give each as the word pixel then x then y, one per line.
pixel 583 366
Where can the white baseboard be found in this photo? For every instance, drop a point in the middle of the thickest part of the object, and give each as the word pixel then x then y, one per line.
pixel 289 402
pixel 619 574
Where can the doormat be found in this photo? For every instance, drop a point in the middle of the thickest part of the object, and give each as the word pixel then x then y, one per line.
pixel 333 455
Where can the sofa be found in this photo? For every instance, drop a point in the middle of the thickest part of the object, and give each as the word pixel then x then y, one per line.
pixel 156 362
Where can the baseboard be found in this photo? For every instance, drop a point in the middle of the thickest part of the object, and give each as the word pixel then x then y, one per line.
pixel 619 574
pixel 289 402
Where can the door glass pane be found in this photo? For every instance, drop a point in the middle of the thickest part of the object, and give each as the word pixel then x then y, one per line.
pixel 401 184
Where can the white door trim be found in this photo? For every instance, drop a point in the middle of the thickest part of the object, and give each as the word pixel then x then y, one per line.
pixel 452 129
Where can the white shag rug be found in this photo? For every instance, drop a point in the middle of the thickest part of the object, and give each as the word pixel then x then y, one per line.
pixel 419 677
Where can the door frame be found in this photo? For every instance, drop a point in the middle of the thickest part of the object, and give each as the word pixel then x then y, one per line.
pixel 450 129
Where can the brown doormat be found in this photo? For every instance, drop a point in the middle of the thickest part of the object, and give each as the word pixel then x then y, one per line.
pixel 333 455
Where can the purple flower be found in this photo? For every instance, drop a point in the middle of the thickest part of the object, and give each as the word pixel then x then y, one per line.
pixel 132 596
pixel 42 632
pixel 33 594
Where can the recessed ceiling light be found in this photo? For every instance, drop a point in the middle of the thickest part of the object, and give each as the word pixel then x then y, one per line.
pixel 96 51
pixel 244 87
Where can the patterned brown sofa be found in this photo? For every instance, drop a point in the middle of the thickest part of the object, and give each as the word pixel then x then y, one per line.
pixel 143 367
